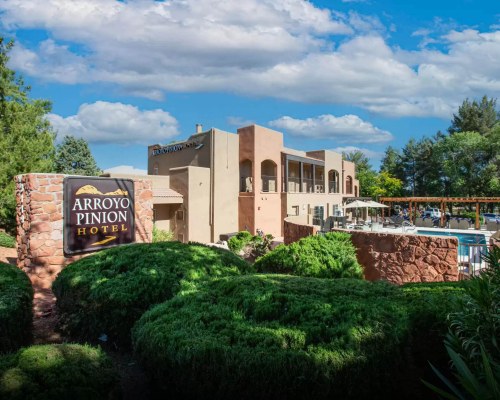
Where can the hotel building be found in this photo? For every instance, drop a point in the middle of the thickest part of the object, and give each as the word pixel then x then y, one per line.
pixel 218 182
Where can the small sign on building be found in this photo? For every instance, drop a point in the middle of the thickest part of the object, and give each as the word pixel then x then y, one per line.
pixel 98 213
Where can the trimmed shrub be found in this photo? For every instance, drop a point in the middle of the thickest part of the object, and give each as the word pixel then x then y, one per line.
pixel 66 371
pixel 237 242
pixel 321 256
pixel 107 292
pixel 276 336
pixel 16 314
pixel 7 241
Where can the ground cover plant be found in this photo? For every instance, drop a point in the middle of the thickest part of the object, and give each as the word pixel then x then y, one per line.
pixel 322 256
pixel 16 298
pixel 66 371
pixel 253 246
pixel 472 341
pixel 279 336
pixel 104 294
pixel 6 240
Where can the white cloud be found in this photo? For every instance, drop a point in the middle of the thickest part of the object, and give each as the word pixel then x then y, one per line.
pixel 348 128
pixel 125 169
pixel 239 121
pixel 373 155
pixel 286 49
pixel 103 122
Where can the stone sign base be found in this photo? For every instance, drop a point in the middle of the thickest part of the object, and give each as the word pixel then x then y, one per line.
pixel 40 224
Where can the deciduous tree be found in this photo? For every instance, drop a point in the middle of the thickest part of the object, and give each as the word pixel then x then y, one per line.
pixel 26 137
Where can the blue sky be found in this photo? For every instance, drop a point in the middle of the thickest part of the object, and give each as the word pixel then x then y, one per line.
pixel 342 75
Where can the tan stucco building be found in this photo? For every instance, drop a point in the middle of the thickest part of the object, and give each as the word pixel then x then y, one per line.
pixel 218 182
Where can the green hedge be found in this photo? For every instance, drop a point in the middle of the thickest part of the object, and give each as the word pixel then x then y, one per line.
pixel 107 292
pixel 276 336
pixel 16 301
pixel 67 371
pixel 321 256
pixel 237 242
pixel 7 241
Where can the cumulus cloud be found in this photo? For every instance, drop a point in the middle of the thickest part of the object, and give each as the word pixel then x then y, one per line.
pixel 103 122
pixel 125 169
pixel 288 49
pixel 239 121
pixel 348 128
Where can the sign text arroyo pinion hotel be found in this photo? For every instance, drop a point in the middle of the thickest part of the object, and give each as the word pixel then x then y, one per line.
pixel 99 213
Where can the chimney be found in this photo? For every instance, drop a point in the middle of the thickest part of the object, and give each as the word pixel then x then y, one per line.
pixel 199 128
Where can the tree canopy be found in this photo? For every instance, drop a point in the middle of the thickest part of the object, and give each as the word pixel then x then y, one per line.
pixel 26 137
pixel 73 157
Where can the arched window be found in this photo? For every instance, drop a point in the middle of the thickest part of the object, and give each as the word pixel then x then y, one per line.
pixel 333 181
pixel 348 185
pixel 268 170
pixel 246 176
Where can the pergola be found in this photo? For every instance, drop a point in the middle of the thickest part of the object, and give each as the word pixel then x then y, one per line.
pixel 441 200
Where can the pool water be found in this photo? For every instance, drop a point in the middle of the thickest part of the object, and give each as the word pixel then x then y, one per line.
pixel 464 239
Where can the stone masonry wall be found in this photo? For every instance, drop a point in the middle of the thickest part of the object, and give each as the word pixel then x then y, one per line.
pixel 40 224
pixel 293 232
pixel 406 258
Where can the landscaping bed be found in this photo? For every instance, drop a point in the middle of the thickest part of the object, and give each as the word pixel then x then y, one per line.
pixel 278 336
pixel 104 294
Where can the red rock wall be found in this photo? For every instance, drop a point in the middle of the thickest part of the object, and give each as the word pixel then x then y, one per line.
pixel 40 224
pixel 401 258
pixel 293 232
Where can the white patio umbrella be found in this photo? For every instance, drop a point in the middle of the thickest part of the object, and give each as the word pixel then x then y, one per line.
pixel 374 204
pixel 357 204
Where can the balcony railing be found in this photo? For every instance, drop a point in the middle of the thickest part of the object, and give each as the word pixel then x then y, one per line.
pixel 246 184
pixel 308 185
pixel 269 183
pixel 333 187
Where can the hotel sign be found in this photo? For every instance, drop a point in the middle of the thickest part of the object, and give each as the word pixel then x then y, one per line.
pixel 98 213
pixel 175 147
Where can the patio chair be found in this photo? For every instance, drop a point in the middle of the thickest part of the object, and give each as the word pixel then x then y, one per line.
pixel 463 224
pixel 428 223
pixel 493 225
pixel 419 221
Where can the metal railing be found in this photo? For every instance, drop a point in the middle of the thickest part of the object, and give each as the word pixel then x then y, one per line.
pixel 333 187
pixel 246 184
pixel 470 262
pixel 269 183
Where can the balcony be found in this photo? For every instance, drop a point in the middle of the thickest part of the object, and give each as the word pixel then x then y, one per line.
pixel 333 187
pixel 269 183
pixel 306 186
pixel 246 184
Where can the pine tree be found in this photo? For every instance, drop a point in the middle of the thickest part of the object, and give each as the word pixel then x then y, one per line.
pixel 73 157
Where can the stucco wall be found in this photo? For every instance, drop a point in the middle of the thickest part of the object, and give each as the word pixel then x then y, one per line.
pixel 406 258
pixel 40 224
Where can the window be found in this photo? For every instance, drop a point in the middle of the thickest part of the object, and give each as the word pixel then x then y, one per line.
pixel 348 185
pixel 295 210
pixel 318 215
pixel 180 215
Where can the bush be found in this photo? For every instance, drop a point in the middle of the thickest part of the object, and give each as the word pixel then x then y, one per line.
pixel 161 235
pixel 107 292
pixel 7 241
pixel 275 336
pixel 237 242
pixel 322 256
pixel 16 301
pixel 67 371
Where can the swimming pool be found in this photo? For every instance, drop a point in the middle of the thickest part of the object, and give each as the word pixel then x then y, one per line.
pixel 464 239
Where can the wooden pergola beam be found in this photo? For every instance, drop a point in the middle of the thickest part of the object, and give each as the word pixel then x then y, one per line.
pixel 441 199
